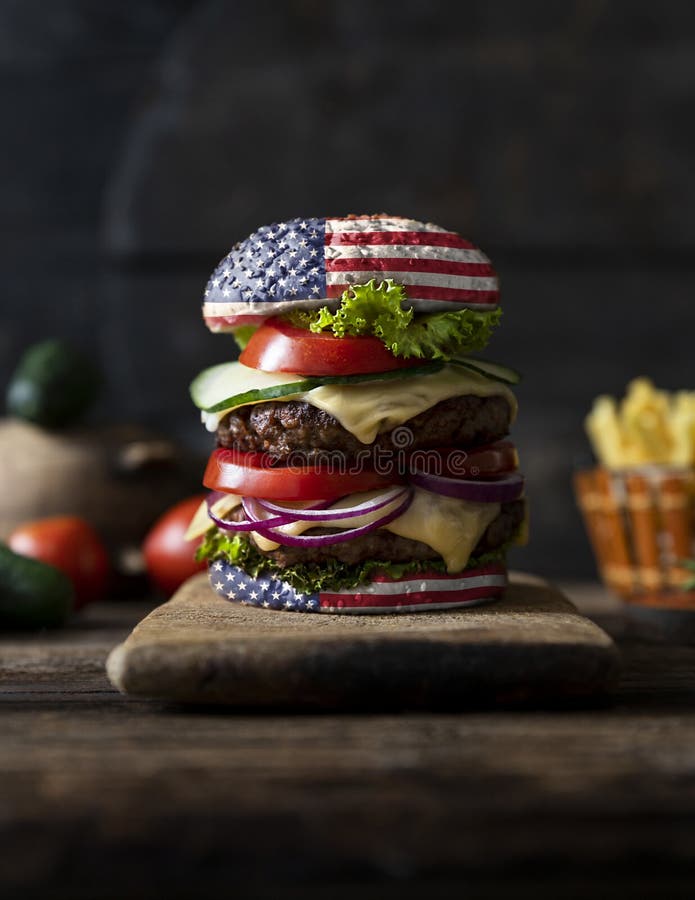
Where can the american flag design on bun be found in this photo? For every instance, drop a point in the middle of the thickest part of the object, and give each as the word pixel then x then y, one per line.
pixel 412 593
pixel 307 263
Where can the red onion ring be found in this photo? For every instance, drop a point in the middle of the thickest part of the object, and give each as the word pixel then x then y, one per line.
pixel 325 514
pixel 320 540
pixel 247 524
pixel 502 489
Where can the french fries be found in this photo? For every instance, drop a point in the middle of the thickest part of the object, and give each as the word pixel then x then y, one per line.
pixel 649 427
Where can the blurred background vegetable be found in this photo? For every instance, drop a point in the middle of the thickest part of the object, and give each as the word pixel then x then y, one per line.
pixel 169 557
pixel 53 385
pixel 118 478
pixel 32 593
pixel 71 545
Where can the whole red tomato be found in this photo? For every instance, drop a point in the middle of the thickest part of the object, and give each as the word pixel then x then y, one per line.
pixel 170 559
pixel 71 545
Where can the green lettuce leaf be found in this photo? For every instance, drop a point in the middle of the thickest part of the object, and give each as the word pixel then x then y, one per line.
pixel 311 578
pixel 377 309
pixel 242 335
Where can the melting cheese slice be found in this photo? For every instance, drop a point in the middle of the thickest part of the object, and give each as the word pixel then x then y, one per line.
pixel 201 522
pixel 367 409
pixel 449 526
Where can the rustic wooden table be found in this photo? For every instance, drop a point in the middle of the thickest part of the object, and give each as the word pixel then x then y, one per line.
pixel 104 796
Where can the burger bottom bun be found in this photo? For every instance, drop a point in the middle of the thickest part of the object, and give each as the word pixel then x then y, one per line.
pixel 418 592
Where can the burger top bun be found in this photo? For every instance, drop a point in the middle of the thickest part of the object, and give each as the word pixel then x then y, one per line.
pixel 305 263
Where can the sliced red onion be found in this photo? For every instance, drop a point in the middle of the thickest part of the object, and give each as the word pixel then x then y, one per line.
pixel 247 524
pixel 333 515
pixel 502 489
pixel 255 514
pixel 321 540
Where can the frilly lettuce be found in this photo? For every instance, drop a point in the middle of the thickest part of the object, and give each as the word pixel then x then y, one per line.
pixel 243 333
pixel 377 309
pixel 329 574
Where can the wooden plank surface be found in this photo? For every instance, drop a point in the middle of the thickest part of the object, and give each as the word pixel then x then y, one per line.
pixel 529 646
pixel 105 796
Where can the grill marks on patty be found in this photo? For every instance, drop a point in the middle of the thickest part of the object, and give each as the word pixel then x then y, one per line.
pixel 281 429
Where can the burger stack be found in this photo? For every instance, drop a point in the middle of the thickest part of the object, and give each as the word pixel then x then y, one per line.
pixel 362 462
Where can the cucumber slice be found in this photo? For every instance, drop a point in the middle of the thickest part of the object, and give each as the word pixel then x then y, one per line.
pixel 495 371
pixel 233 384
pixel 214 385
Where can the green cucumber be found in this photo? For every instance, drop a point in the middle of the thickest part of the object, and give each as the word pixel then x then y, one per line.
pixel 495 371
pixel 261 386
pixel 229 385
pixel 218 384
pixel 32 594
pixel 53 385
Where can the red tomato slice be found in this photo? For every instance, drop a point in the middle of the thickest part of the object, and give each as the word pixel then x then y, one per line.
pixel 251 474
pixel 278 346
pixel 476 462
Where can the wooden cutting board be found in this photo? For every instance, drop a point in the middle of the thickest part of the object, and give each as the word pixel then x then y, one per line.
pixel 532 646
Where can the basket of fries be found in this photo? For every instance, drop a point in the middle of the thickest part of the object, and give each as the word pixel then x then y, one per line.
pixel 638 504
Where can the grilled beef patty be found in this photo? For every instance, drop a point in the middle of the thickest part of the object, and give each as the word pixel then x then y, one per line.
pixel 281 429
pixel 383 545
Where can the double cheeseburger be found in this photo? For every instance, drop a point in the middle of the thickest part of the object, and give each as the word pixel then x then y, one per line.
pixel 362 463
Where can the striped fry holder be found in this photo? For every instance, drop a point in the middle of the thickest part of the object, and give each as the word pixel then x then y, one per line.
pixel 641 525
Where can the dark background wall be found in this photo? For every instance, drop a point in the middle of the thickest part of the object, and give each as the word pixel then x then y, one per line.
pixel 141 139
